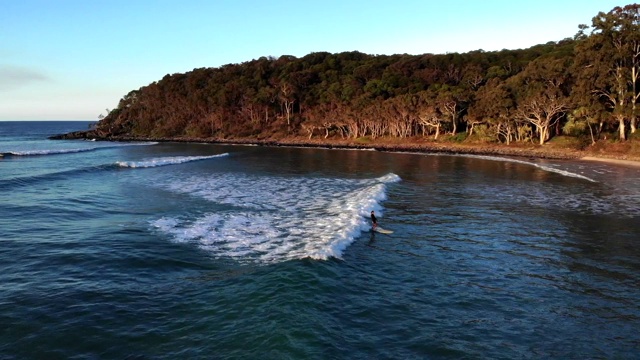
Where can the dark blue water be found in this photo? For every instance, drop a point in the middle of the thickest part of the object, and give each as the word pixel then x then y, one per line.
pixel 165 251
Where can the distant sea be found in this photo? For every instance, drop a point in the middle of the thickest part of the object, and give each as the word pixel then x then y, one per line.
pixel 200 251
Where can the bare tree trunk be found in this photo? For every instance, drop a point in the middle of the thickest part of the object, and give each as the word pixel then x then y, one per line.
pixel 621 128
pixel 544 135
pixel 635 66
pixel 621 94
pixel 593 140
pixel 634 97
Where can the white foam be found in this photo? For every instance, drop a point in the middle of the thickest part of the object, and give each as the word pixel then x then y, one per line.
pixel 163 161
pixel 48 151
pixel 539 166
pixel 39 152
pixel 272 219
pixel 125 144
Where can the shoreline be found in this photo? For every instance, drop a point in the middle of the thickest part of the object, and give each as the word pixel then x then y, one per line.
pixel 631 163
pixel 388 145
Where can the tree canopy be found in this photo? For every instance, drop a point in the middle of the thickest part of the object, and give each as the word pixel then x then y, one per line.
pixel 582 86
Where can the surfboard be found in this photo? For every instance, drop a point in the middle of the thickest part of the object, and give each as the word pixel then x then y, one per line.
pixel 382 231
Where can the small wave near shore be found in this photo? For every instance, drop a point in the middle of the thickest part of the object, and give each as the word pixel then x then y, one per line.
pixel 163 161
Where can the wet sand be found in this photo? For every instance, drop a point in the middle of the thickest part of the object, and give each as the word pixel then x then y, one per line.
pixel 631 163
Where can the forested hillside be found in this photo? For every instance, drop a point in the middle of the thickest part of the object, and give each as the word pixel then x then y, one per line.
pixel 586 87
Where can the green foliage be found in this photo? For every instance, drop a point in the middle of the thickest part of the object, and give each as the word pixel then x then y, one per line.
pixel 483 133
pixel 635 136
pixel 575 127
pixel 459 137
pixel 355 95
pixel 569 142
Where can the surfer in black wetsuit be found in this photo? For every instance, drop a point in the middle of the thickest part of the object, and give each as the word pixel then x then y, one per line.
pixel 374 221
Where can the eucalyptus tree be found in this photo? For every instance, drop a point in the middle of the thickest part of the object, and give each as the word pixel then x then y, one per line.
pixel 287 98
pixel 608 64
pixel 452 102
pixel 401 113
pixel 630 16
pixel 494 107
pixel 428 113
pixel 473 76
pixel 586 117
pixel 371 121
pixel 540 92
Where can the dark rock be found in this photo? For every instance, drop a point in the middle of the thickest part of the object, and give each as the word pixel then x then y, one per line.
pixel 88 134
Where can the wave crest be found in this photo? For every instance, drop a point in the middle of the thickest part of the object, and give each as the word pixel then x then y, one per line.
pixel 539 166
pixel 163 161
pixel 271 219
pixel 43 152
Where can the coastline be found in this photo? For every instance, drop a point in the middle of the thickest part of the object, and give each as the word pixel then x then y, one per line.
pixel 632 163
pixel 416 145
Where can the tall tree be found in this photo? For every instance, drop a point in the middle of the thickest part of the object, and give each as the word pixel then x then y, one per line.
pixel 630 21
pixel 609 59
pixel 494 106
pixel 540 94
pixel 428 114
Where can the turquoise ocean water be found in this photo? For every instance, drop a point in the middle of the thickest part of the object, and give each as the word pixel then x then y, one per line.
pixel 200 251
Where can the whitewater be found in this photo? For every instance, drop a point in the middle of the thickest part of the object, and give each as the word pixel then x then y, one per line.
pixel 269 219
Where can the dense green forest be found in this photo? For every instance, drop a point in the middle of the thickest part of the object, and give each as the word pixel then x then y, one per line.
pixel 586 87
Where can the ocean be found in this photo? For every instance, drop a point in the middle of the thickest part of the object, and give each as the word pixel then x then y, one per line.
pixel 199 251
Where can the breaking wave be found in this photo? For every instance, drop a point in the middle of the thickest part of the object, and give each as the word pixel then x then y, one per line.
pixel 163 161
pixel 539 166
pixel 42 152
pixel 46 152
pixel 266 219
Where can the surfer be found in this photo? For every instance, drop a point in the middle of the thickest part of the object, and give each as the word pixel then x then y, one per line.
pixel 374 221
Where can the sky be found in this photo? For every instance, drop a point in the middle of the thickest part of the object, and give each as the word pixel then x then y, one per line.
pixel 73 59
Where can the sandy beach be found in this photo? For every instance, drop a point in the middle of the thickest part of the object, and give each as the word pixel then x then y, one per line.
pixel 631 163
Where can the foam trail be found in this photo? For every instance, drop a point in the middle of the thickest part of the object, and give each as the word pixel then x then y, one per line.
pixel 271 219
pixel 539 166
pixel 42 152
pixel 46 152
pixel 163 161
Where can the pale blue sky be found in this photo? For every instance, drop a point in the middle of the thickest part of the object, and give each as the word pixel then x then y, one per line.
pixel 71 59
